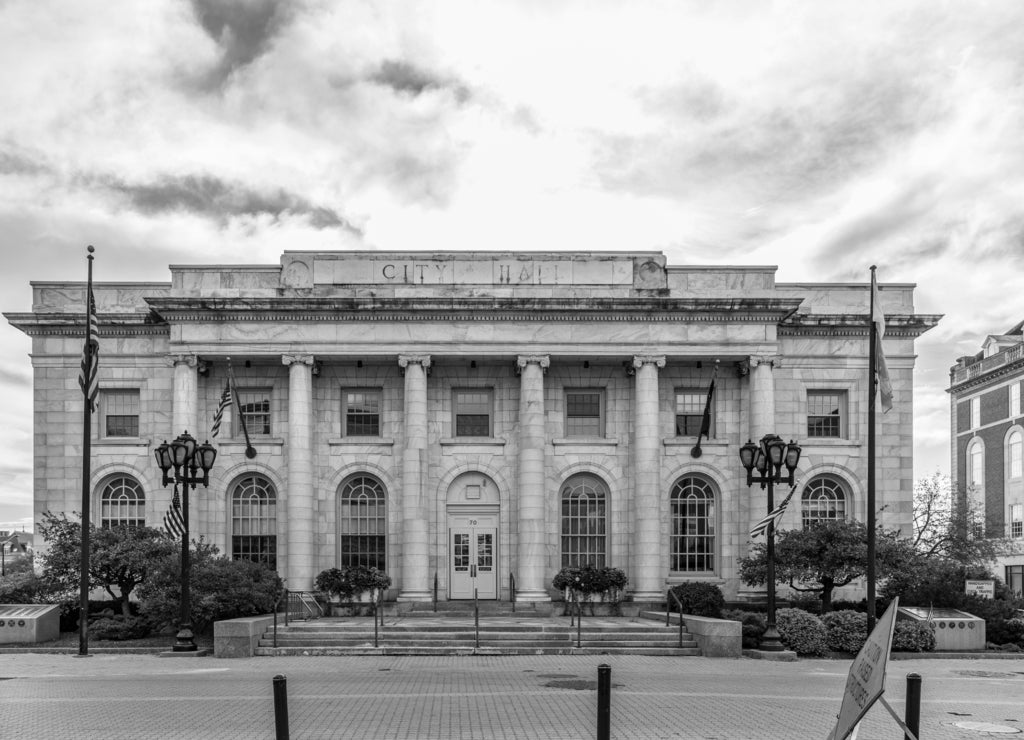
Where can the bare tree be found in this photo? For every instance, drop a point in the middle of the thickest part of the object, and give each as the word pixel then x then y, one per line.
pixel 952 526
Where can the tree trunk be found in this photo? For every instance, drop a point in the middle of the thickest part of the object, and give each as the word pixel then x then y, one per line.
pixel 826 595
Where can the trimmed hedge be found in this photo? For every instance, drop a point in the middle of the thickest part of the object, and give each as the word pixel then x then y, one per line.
pixel 801 632
pixel 698 598
pixel 913 637
pixel 753 625
pixel 847 630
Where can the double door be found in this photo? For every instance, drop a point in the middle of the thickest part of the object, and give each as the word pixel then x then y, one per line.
pixel 472 555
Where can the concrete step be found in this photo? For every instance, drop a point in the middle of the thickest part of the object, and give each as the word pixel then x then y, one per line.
pixel 420 650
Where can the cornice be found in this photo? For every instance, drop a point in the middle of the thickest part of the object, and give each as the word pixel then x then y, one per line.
pixel 191 310
pixel 996 373
pixel 69 324
pixel 904 326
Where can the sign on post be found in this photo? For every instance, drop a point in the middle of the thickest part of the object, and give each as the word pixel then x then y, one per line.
pixel 984 589
pixel 866 681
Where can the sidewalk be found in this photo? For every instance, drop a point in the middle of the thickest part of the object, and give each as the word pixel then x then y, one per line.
pixel 130 696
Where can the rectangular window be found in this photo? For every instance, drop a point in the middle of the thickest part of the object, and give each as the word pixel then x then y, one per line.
pixel 1015 399
pixel 1017 520
pixel 360 413
pixel 584 413
pixel 690 412
pixel 472 410
pixel 255 406
pixel 975 412
pixel 826 414
pixel 120 413
pixel 1015 579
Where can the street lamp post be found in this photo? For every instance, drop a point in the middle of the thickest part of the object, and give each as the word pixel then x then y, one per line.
pixel 768 458
pixel 187 459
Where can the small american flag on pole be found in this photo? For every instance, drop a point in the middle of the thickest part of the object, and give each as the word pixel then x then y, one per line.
pixel 773 516
pixel 174 522
pixel 88 374
pixel 225 402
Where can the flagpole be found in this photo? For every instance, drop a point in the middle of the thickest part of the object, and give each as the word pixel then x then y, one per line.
pixel 872 384
pixel 250 451
pixel 83 581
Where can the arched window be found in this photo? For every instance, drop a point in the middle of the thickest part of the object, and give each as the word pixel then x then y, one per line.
pixel 122 503
pixel 254 521
pixel 823 500
pixel 1014 462
pixel 584 522
pixel 976 464
pixel 693 539
pixel 362 523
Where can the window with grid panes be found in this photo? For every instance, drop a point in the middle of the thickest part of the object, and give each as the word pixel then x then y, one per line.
pixel 826 414
pixel 584 413
pixel 823 500
pixel 1017 520
pixel 1015 580
pixel 584 525
pixel 693 541
pixel 120 413
pixel 254 521
pixel 360 413
pixel 363 524
pixel 1014 444
pixel 472 410
pixel 122 503
pixel 690 412
pixel 255 407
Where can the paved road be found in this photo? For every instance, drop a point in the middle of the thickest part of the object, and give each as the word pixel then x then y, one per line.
pixel 371 697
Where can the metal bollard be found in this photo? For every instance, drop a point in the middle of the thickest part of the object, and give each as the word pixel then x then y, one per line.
pixel 912 716
pixel 281 707
pixel 604 701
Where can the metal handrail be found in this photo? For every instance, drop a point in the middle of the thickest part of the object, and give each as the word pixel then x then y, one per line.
pixel 376 609
pixel 435 590
pixel 512 590
pixel 476 617
pixel 680 603
pixel 579 618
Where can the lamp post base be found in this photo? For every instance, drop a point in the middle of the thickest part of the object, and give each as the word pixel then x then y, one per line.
pixel 771 641
pixel 184 641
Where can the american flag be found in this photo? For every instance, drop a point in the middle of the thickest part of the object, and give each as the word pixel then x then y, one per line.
pixel 881 368
pixel 773 517
pixel 225 401
pixel 88 374
pixel 174 522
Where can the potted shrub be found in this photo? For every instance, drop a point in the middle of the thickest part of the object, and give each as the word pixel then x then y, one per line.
pixel 347 586
pixel 587 584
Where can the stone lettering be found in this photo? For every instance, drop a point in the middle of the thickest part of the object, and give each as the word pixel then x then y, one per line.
pixel 388 275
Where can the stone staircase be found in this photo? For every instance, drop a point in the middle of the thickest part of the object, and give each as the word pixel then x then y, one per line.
pixel 451 632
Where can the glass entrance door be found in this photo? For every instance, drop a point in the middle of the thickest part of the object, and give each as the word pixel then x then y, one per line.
pixel 472 557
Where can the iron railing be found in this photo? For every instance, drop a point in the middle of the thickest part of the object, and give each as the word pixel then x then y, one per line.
pixel 668 612
pixel 512 590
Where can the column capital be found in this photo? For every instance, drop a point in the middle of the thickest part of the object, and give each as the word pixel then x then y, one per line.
pixel 640 360
pixel 182 359
pixel 523 360
pixel 772 361
pixel 297 359
pixel 405 360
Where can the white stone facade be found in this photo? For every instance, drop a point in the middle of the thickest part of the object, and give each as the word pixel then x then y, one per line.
pixel 524 335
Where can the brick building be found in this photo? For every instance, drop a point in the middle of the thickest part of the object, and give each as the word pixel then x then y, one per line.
pixel 475 416
pixel 988 441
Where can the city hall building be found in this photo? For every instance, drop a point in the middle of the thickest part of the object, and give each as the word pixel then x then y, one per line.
pixel 467 419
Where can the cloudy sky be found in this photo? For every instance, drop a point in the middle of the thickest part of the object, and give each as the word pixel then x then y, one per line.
pixel 819 137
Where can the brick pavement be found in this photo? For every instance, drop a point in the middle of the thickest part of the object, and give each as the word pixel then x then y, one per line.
pixel 129 696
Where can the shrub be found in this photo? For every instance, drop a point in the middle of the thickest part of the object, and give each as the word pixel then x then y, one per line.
pixel 913 637
pixel 754 625
pixel 352 580
pixel 808 602
pixel 698 598
pixel 1006 632
pixel 801 632
pixel 846 630
pixel 221 588
pixel 588 580
pixel 119 627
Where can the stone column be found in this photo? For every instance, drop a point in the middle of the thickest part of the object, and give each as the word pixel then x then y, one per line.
pixel 762 396
pixel 185 408
pixel 415 548
pixel 532 550
pixel 301 495
pixel 647 495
